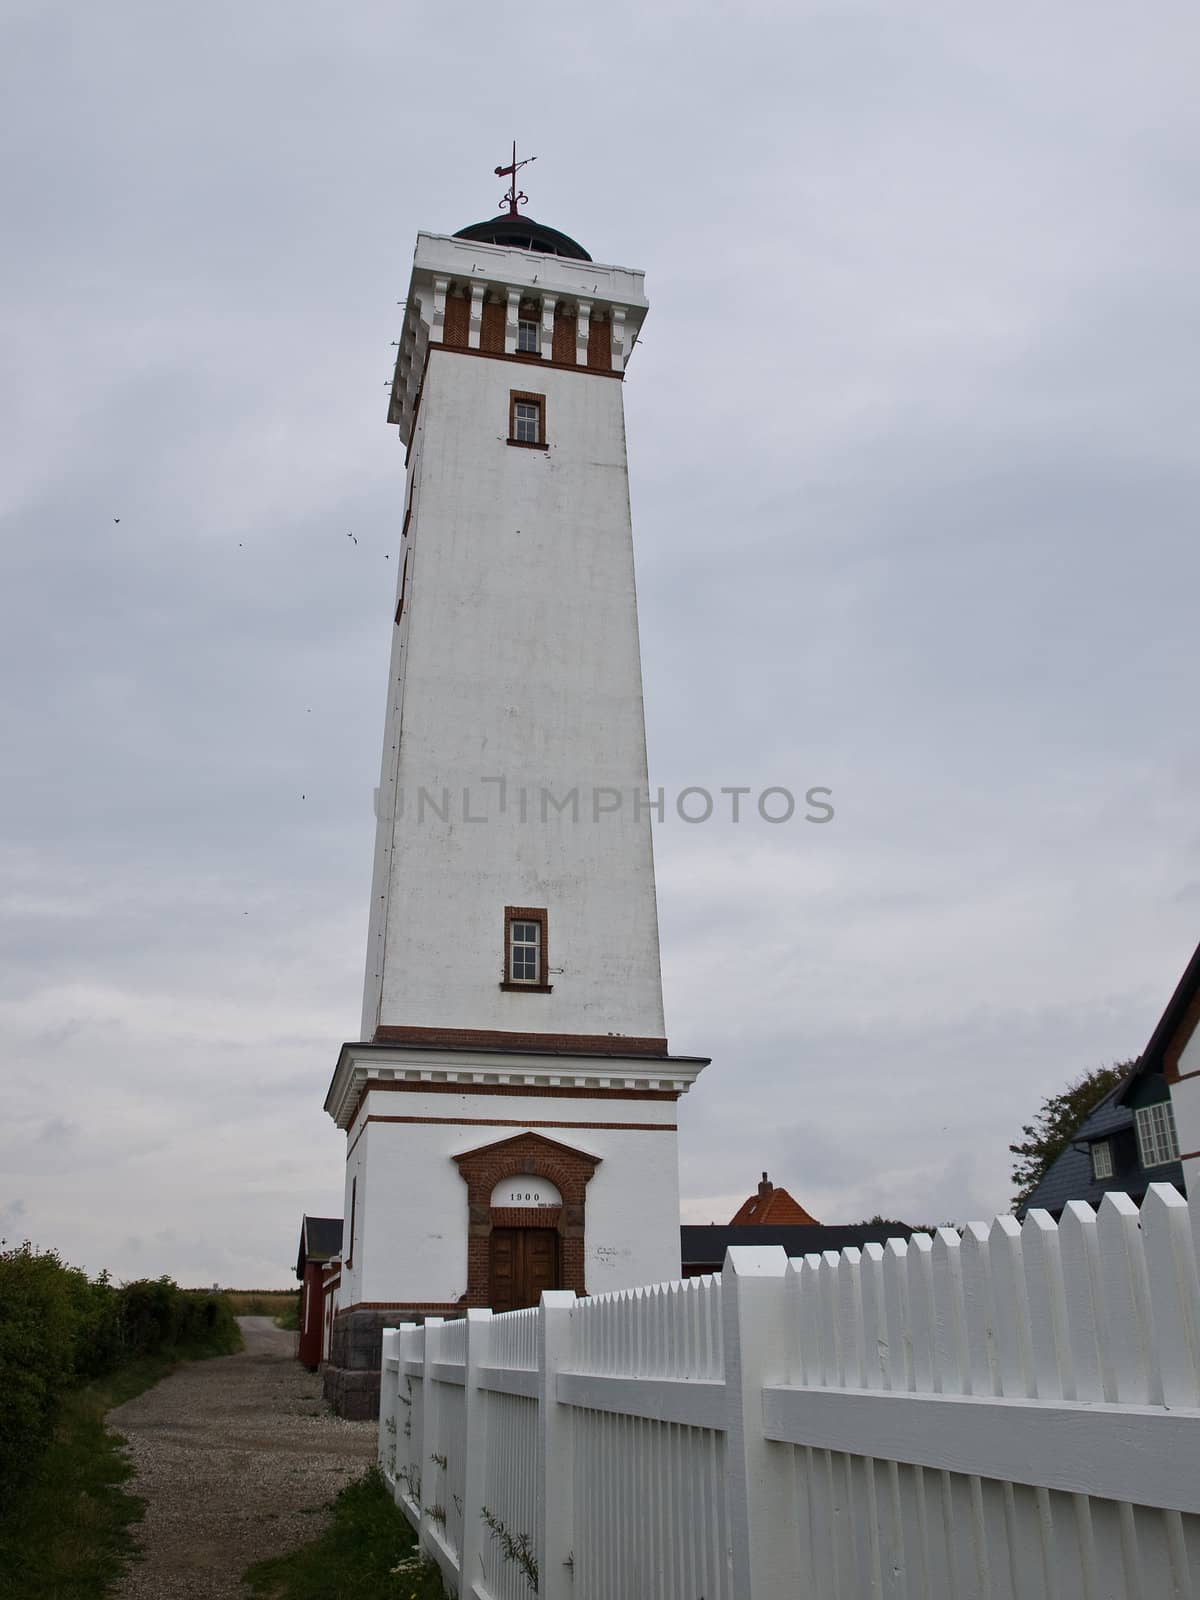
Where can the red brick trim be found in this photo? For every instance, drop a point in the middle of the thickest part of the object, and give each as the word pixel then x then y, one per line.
pixel 565 325
pixel 435 1308
pixel 569 1170
pixel 526 1216
pixel 522 1145
pixel 554 1091
pixel 599 349
pixel 579 1044
pixel 456 320
pixel 525 1122
pixel 491 328
pixel 549 1091
pixel 525 357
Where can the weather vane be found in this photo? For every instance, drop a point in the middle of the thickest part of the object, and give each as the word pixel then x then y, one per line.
pixel 514 197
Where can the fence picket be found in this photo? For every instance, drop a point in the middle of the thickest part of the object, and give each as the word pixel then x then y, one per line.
pixel 875 1346
pixel 1174 1292
pixel 1126 1323
pixel 977 1310
pixel 715 1439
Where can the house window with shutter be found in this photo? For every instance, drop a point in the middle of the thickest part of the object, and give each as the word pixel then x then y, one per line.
pixel 1158 1142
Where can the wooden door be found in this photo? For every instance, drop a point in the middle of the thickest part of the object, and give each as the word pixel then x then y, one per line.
pixel 522 1262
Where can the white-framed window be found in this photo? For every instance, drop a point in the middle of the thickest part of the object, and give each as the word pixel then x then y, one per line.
pixel 1157 1140
pixel 527 336
pixel 525 951
pixel 527 422
pixel 1102 1166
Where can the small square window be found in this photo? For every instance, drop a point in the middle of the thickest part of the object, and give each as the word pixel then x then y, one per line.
pixel 527 336
pixel 1102 1165
pixel 525 948
pixel 525 952
pixel 1158 1142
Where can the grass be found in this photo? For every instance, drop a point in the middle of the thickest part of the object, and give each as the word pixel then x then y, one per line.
pixel 259 1302
pixel 66 1534
pixel 288 1316
pixel 368 1552
pixel 281 1304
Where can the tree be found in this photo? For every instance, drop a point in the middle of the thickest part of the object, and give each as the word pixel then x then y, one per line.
pixel 1051 1130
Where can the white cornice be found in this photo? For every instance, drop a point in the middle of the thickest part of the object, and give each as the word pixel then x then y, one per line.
pixel 441 260
pixel 441 253
pixel 496 1068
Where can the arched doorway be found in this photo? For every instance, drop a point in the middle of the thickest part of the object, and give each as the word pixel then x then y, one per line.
pixel 523 1259
pixel 525 1219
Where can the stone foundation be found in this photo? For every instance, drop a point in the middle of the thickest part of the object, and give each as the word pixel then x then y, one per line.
pixel 351 1375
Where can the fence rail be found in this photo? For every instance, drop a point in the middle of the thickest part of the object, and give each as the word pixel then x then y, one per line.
pixel 1006 1414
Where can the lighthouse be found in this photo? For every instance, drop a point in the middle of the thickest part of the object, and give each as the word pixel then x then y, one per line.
pixel 510 1104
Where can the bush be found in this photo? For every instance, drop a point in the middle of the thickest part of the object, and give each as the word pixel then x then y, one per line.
pixel 39 1327
pixel 58 1328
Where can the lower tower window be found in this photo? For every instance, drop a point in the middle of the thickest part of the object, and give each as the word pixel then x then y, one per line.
pixel 526 418
pixel 525 953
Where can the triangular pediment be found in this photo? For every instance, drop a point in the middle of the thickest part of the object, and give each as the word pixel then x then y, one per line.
pixel 519 1145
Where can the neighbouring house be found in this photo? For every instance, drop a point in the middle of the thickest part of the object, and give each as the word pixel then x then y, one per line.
pixel 770 1205
pixel 772 1216
pixel 1129 1140
pixel 320 1243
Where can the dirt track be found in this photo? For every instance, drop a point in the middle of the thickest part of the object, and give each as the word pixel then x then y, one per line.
pixel 234 1457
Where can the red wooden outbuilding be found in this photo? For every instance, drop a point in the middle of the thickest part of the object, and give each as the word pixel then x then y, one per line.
pixel 320 1242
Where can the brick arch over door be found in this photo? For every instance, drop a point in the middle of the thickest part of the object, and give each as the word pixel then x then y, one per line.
pixel 569 1170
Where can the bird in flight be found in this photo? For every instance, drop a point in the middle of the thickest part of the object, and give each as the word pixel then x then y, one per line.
pixel 351 536
pixel 116 519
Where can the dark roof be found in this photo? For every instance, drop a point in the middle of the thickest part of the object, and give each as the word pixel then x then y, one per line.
pixel 702 1245
pixel 526 234
pixel 320 1240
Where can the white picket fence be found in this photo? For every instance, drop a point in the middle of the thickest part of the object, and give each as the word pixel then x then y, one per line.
pixel 1007 1415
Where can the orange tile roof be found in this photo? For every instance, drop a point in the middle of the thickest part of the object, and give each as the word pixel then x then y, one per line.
pixel 771 1205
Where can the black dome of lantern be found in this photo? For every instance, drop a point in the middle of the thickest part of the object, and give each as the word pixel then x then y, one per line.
pixel 525 234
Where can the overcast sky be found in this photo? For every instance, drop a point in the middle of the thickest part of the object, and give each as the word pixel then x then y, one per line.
pixel 914 473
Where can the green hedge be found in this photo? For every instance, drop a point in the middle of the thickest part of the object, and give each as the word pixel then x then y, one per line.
pixel 59 1328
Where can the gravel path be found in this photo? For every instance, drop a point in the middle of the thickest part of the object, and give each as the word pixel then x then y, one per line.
pixel 233 1457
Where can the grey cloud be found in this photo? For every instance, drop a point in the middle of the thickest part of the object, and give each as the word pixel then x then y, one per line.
pixel 913 487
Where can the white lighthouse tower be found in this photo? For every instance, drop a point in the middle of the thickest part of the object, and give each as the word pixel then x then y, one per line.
pixel 510 1107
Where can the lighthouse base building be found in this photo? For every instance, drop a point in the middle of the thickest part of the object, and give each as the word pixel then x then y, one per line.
pixel 510 1107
